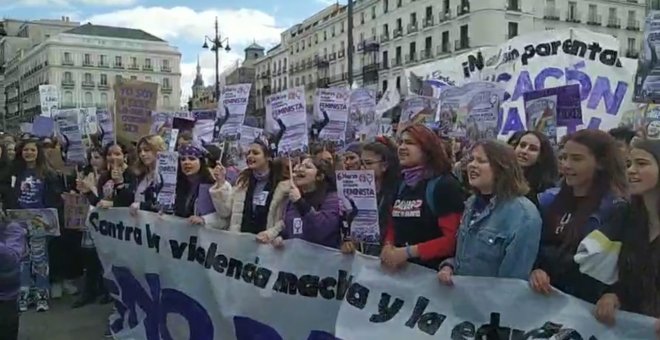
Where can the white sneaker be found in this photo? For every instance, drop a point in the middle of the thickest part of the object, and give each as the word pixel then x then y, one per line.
pixel 22 305
pixel 42 305
pixel 56 290
pixel 69 287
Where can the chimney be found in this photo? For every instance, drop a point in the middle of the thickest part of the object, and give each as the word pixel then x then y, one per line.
pixel 62 18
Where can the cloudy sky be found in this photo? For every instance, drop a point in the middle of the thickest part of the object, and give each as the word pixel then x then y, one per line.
pixel 181 22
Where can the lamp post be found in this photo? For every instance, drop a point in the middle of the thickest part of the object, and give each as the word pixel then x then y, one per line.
pixel 216 45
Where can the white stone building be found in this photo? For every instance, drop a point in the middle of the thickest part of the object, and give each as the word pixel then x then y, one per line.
pixel 272 74
pixel 390 35
pixel 85 62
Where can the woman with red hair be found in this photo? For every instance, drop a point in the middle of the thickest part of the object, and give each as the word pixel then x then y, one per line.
pixel 427 205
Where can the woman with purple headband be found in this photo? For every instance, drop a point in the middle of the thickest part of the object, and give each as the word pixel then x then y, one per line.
pixel 194 180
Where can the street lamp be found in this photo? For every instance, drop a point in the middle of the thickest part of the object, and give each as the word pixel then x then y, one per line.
pixel 216 45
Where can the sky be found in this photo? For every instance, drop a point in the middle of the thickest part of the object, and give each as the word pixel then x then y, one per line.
pixel 182 23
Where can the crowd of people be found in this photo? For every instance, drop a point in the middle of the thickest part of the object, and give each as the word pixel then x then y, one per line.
pixel 581 216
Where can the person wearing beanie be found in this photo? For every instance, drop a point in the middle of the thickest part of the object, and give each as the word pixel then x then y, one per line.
pixel 351 156
pixel 12 248
pixel 638 287
pixel 194 180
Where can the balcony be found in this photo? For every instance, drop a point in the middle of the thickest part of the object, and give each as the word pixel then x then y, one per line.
pixel 396 62
pixel 632 53
pixel 411 58
pixel 444 16
pixel 67 62
pixel 103 64
pixel 332 56
pixel 633 25
pixel 413 28
pixel 341 54
pixel 68 84
pixel 370 73
pixel 595 20
pixel 384 65
pixel 551 13
pixel 463 8
pixel 370 45
pixel 134 67
pixel 398 33
pixel 461 44
pixel 426 54
pixel 385 37
pixel 513 6
pixel 573 16
pixel 118 66
pixel 103 86
pixel 444 48
pixel 613 22
pixel 166 89
pixel 147 68
pixel 321 62
pixel 323 82
pixel 87 84
pixel 428 22
pixel 87 63
pixel 165 69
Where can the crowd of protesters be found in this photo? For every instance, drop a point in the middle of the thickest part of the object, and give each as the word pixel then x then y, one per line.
pixel 582 217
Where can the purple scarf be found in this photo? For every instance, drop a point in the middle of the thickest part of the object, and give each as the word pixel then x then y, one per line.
pixel 412 176
pixel 261 176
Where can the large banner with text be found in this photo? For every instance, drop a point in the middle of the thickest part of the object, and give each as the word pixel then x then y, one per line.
pixel 172 280
pixel 537 61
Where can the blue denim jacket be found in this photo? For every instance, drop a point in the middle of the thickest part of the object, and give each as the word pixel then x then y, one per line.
pixel 502 241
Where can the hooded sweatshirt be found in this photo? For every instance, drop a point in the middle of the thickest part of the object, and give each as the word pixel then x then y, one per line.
pixel 320 224
pixel 12 248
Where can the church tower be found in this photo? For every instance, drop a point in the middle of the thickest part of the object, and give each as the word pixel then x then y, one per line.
pixel 198 84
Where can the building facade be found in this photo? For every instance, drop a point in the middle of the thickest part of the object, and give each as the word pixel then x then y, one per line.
pixel 272 74
pixel 391 35
pixel 85 62
pixel 18 35
pixel 246 73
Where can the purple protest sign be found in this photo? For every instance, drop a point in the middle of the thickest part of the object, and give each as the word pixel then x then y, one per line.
pixel 548 108
pixel 43 126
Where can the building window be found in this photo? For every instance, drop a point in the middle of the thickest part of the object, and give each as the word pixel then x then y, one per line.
pixel 88 77
pixel 104 79
pixel 68 77
pixel 89 99
pixel 104 60
pixel 87 59
pixel 104 98
pixel 118 60
pixel 147 63
pixel 67 58
pixel 133 62
pixel 166 101
pixel 166 63
pixel 166 83
pixel 631 45
pixel 399 3
pixel 133 77
pixel 513 29
pixel 362 18
pixel 572 11
pixel 68 98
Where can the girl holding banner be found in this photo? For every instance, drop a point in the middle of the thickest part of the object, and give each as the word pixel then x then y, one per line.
pixel 488 243
pixel 638 287
pixel 583 221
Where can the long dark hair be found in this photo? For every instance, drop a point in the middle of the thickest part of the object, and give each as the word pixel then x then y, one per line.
pixel 326 185
pixel 89 168
pixel 104 175
pixel 638 274
pixel 276 168
pixel 19 165
pixel 544 173
pixel 610 178
pixel 386 150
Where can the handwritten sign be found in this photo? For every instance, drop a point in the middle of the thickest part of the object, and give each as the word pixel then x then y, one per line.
pixel 76 208
pixel 134 102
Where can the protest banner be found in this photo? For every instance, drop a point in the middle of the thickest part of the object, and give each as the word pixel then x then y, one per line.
pixel 652 122
pixel 134 102
pixel 166 168
pixel 43 126
pixel 76 209
pixel 470 111
pixel 647 78
pixel 542 60
pixel 106 126
pixel 286 115
pixel 231 111
pixel 331 107
pixel 174 280
pixel 39 222
pixel 70 132
pixel 50 100
pixel 418 109
pixel 547 109
pixel 357 190
pixel 204 126
pixel 362 115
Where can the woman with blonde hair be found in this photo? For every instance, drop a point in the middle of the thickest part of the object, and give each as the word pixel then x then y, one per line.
pixel 149 182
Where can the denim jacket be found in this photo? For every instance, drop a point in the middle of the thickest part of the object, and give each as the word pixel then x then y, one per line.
pixel 502 241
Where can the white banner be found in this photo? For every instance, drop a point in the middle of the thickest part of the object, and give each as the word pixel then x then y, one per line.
pixel 286 113
pixel 231 110
pixel 332 104
pixel 50 99
pixel 542 60
pixel 173 280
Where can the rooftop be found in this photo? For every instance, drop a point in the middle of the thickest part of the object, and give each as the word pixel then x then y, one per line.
pixel 113 32
pixel 254 46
